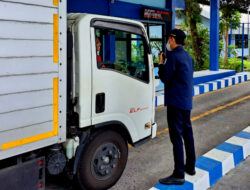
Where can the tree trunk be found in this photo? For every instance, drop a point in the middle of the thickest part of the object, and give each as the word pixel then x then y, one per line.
pixel 226 46
pixel 195 38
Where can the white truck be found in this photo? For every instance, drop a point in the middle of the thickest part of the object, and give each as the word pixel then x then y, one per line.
pixel 74 91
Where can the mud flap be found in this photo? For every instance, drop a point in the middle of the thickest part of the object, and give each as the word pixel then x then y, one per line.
pixel 28 175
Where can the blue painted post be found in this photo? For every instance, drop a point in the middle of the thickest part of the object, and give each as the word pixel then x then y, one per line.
pixel 170 4
pixel 173 14
pixel 109 42
pixel 214 35
pixel 242 46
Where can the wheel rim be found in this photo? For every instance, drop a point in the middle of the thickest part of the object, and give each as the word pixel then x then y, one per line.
pixel 105 161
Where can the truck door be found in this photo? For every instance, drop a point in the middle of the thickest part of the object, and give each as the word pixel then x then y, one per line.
pixel 122 77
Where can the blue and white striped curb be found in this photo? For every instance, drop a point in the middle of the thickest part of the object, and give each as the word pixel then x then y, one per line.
pixel 215 164
pixel 209 86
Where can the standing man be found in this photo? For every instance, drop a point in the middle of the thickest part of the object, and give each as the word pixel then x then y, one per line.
pixel 177 75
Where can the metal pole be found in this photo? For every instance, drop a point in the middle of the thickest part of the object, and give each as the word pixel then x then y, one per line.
pixel 242 44
pixel 248 32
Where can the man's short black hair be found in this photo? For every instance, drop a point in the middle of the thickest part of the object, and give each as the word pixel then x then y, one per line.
pixel 178 35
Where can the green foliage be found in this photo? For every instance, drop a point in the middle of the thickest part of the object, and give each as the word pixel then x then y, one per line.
pixel 198 34
pixel 204 37
pixel 234 64
pixel 197 42
pixel 137 53
pixel 247 64
pixel 232 49
pixel 221 46
pixel 156 47
pixel 194 10
pixel 240 5
pixel 227 17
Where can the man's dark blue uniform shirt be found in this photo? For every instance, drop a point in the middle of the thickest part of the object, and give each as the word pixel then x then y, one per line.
pixel 177 75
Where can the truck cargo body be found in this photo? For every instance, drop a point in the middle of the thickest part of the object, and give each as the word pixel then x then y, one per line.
pixel 32 75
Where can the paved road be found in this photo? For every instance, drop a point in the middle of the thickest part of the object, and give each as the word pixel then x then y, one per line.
pixel 226 113
pixel 236 179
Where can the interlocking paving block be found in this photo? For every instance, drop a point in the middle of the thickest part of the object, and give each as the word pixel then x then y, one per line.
pixel 243 134
pixel 232 148
pixel 247 129
pixel 225 158
pixel 242 142
pixel 201 89
pixel 196 90
pixel 212 166
pixel 200 180
pixel 153 188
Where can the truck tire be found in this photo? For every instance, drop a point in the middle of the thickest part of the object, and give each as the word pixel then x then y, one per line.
pixel 103 160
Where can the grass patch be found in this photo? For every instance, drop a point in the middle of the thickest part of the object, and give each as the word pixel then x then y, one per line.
pixel 234 64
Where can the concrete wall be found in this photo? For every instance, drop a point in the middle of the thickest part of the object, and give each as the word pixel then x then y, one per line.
pixel 205 21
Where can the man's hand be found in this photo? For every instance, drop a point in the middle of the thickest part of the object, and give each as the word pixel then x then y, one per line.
pixel 161 60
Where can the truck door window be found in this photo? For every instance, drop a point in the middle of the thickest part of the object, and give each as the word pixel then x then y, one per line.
pixel 122 52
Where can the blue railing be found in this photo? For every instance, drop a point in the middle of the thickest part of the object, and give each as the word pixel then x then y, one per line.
pixel 241 30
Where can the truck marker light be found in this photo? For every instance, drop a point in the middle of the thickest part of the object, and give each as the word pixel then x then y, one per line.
pixel 148 125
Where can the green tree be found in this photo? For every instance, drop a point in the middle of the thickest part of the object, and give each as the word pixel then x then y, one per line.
pixel 239 5
pixel 156 47
pixel 202 31
pixel 228 16
pixel 229 13
pixel 195 31
pixel 192 19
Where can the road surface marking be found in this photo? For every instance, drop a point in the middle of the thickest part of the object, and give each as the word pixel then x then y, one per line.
pixel 210 112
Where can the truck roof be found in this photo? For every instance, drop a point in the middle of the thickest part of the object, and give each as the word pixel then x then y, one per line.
pixel 76 17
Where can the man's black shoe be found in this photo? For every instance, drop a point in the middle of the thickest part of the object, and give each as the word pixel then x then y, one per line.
pixel 190 172
pixel 171 180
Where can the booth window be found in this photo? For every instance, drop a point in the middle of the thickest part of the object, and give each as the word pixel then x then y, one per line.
pixel 123 52
pixel 238 42
pixel 155 33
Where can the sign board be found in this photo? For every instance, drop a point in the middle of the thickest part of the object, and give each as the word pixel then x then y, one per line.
pixel 154 14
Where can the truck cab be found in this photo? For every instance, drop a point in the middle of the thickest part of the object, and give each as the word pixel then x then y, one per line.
pixel 112 79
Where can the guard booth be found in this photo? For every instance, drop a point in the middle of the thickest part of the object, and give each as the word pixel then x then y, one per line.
pixel 157 16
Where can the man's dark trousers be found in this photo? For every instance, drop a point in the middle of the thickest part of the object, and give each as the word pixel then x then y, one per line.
pixel 180 127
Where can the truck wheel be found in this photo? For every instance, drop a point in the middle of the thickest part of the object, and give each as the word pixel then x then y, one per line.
pixel 103 160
